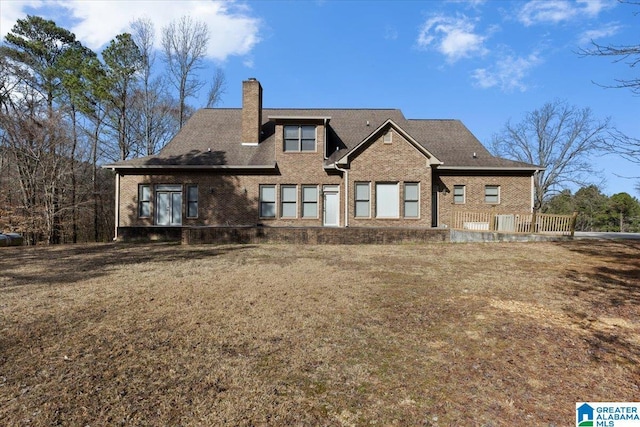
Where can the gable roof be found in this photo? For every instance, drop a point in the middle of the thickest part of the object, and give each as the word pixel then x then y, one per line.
pixel 211 139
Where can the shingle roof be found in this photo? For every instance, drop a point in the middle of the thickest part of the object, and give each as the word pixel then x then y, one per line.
pixel 212 138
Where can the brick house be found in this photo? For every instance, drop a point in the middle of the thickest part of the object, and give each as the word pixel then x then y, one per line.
pixel 315 168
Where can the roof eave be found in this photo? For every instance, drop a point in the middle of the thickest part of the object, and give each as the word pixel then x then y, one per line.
pixel 497 168
pixel 191 167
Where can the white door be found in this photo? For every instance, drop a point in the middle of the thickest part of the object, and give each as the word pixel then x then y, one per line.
pixel 168 208
pixel 331 217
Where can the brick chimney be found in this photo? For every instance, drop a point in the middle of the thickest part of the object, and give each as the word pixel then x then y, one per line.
pixel 251 111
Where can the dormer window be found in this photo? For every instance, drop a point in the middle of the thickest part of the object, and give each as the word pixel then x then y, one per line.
pixel 300 138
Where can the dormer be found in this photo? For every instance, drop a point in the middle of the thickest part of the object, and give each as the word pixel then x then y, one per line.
pixel 301 134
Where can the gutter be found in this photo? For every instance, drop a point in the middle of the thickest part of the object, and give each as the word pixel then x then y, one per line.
pixel 489 168
pixel 191 167
pixel 346 193
pixel 117 210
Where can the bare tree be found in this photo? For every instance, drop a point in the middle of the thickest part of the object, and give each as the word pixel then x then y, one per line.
pixel 217 88
pixel 559 137
pixel 184 45
pixel 625 145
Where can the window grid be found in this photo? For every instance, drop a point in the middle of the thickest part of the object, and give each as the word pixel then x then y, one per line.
pixel 300 138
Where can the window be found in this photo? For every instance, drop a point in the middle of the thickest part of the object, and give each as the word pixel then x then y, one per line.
pixel 387 200
pixel 309 201
pixel 289 199
pixel 267 201
pixel 363 198
pixel 458 194
pixel 411 200
pixel 192 201
pixel 299 138
pixel 387 138
pixel 492 194
pixel 144 201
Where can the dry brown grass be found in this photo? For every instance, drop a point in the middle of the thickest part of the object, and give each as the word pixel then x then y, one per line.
pixel 442 334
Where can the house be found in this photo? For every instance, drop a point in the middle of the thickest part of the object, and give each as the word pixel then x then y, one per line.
pixel 255 166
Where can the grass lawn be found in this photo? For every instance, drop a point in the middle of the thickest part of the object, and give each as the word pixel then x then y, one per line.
pixel 436 335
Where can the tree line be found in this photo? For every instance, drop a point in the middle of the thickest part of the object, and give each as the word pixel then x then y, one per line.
pixel 597 211
pixel 65 110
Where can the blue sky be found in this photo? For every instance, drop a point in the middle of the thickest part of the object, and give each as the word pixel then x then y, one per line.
pixel 483 62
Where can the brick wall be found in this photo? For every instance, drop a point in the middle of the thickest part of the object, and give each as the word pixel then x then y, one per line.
pixel 515 193
pixel 398 162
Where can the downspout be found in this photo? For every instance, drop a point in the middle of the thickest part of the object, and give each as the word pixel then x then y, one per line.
pixel 117 210
pixel 346 193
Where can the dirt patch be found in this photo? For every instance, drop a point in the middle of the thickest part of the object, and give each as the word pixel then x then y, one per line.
pixel 440 334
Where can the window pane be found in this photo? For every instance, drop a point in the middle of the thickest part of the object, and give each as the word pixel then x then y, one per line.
pixel 291 132
pixel 145 193
pixel 288 210
pixel 411 191
pixel 362 209
pixel 310 194
pixel 288 193
pixel 268 193
pixel 268 210
pixel 362 191
pixel 192 193
pixel 308 145
pixel 310 210
pixel 308 132
pixel 411 209
pixel 387 201
pixel 291 145
pixel 145 209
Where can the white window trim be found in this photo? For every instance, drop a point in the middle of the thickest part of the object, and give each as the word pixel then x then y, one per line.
pixel 387 138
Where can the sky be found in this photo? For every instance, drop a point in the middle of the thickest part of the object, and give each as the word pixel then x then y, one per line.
pixel 484 62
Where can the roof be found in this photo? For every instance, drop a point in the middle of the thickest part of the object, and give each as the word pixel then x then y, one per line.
pixel 212 139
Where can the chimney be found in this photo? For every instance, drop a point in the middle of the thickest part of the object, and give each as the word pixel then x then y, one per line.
pixel 251 111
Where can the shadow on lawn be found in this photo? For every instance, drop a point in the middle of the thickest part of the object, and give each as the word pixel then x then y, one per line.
pixel 56 265
pixel 616 280
pixel 608 289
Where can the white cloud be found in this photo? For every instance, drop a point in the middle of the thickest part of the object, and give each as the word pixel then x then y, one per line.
pixel 508 73
pixel 234 31
pixel 454 37
pixel 11 11
pixel 555 11
pixel 598 33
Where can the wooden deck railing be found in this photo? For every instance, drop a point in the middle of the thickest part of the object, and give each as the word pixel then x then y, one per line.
pixel 515 222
